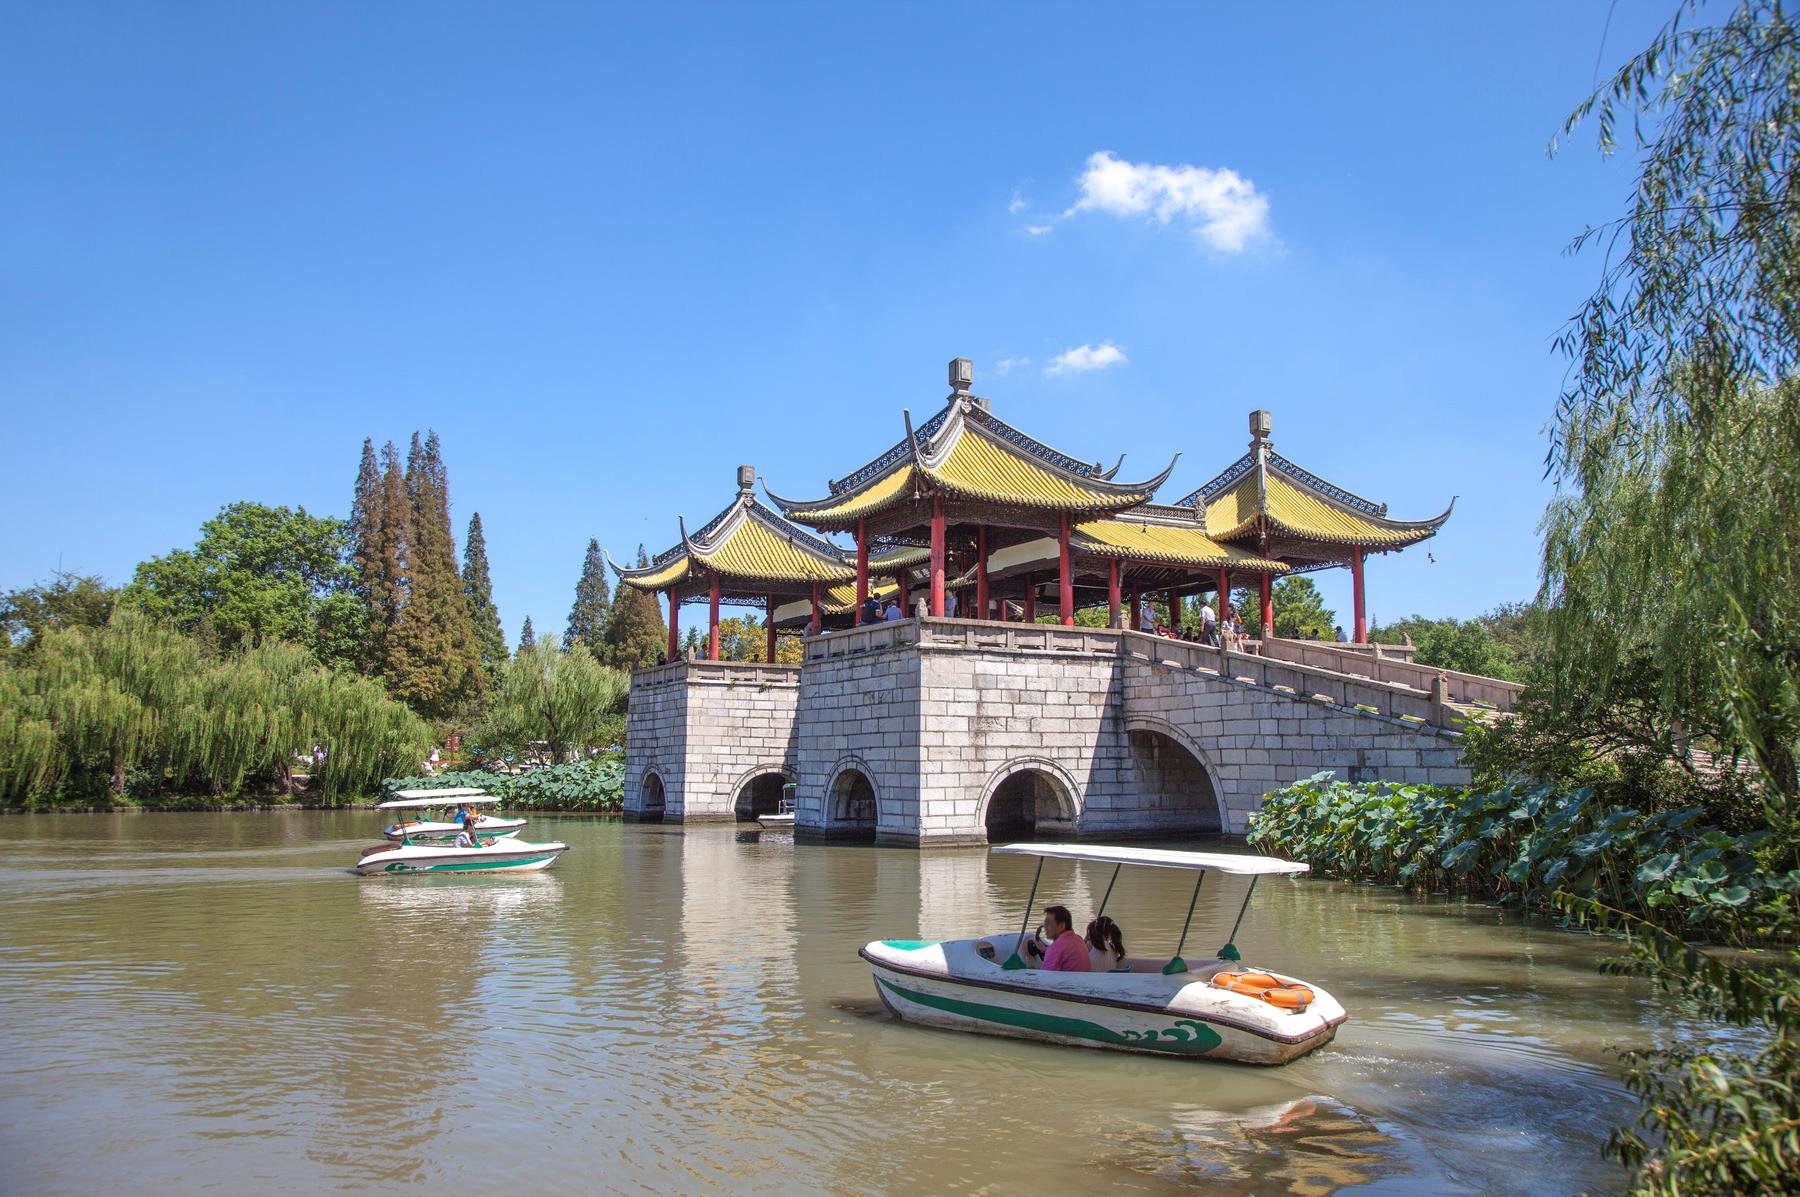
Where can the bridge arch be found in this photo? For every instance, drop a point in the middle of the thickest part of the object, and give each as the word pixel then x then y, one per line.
pixel 1175 785
pixel 651 797
pixel 757 791
pixel 852 803
pixel 1029 796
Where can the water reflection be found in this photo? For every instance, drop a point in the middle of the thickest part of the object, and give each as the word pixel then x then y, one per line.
pixel 214 999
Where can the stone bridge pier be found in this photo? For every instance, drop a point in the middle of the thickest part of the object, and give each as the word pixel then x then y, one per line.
pixel 941 731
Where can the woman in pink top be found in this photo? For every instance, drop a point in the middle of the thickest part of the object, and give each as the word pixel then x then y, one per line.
pixel 1068 951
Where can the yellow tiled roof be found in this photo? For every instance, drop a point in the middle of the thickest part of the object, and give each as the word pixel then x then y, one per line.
pixel 1298 513
pixel 867 501
pixel 754 550
pixel 663 578
pixel 901 558
pixel 977 468
pixel 840 599
pixel 1162 543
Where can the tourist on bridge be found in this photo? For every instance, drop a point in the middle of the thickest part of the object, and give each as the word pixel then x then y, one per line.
pixel 871 610
pixel 1341 638
pixel 891 611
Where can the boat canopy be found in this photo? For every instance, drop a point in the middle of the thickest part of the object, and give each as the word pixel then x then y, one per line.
pixel 457 798
pixel 1160 858
pixel 446 792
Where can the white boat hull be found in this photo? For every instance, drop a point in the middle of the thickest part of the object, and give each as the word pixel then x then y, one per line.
pixel 774 821
pixel 507 855
pixel 950 985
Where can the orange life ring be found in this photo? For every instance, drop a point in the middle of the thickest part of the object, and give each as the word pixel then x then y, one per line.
pixel 1270 989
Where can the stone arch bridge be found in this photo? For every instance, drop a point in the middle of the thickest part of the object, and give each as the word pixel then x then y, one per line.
pixel 947 731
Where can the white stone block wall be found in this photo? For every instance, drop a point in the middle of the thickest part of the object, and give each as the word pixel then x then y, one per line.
pixel 707 739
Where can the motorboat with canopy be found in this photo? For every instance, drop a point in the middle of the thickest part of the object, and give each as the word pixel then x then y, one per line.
pixel 1212 1008
pixel 427 830
pixel 425 846
pixel 782 817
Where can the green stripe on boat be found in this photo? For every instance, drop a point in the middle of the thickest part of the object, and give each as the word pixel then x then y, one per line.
pixel 908 945
pixel 400 866
pixel 1186 1037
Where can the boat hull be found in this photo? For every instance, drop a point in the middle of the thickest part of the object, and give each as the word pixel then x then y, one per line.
pixel 505 856
pixel 775 821
pixel 1195 1022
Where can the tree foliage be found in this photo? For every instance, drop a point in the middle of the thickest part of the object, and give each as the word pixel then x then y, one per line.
pixel 1300 612
pixel 138 704
pixel 561 698
pixel 588 616
pixel 636 635
pixel 68 600
pixel 527 637
pixel 259 574
pixel 433 661
pixel 1489 645
pixel 478 591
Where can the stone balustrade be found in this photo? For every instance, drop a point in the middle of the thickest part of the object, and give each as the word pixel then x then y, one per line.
pixel 734 673
pixel 1467 688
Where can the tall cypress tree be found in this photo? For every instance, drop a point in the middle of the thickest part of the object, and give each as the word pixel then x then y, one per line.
pixel 526 637
pixel 365 535
pixel 636 635
pixel 438 666
pixel 478 591
pixel 389 578
pixel 587 618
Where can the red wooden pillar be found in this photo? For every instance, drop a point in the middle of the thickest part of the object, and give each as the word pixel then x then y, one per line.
pixel 1224 593
pixel 1065 583
pixel 981 583
pixel 712 620
pixel 905 598
pixel 1137 608
pixel 1268 607
pixel 674 626
pixel 771 629
pixel 1175 609
pixel 862 567
pixel 1356 574
pixel 1112 595
pixel 1030 599
pixel 937 556
pixel 817 623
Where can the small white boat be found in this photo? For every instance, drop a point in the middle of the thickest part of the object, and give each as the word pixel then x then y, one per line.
pixel 1211 1009
pixel 504 855
pixel 428 830
pixel 783 816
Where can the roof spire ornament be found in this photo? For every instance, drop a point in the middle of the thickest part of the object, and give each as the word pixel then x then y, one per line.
pixel 962 375
pixel 746 480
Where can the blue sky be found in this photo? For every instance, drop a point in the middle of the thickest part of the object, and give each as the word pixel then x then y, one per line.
pixel 611 253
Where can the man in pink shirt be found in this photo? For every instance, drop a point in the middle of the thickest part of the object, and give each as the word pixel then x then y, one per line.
pixel 1068 951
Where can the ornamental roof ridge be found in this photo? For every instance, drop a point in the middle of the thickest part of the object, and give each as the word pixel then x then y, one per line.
pixel 898 452
pixel 1329 490
pixel 794 534
pixel 1220 482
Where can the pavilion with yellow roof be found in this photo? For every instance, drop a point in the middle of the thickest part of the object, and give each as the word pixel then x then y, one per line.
pixel 968 505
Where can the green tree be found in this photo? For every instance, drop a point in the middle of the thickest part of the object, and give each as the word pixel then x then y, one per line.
pixel 68 600
pixel 1467 646
pixel 259 573
pixel 587 618
pixel 433 661
pixel 636 635
pixel 560 698
pixel 527 637
pixel 1669 556
pixel 478 590
pixel 1300 612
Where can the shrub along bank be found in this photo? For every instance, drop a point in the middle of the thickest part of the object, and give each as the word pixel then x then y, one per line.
pixel 597 785
pixel 1525 845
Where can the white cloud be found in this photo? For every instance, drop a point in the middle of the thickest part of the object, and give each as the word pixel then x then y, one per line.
pixel 1008 364
pixel 1224 208
pixel 1083 358
pixel 1018 203
pixel 1037 230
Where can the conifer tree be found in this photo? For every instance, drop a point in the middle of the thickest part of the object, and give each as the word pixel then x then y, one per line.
pixel 636 635
pixel 389 553
pixel 436 664
pixel 365 522
pixel 478 591
pixel 587 618
pixel 526 637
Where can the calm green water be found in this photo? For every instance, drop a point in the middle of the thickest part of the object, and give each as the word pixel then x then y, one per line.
pixel 209 1002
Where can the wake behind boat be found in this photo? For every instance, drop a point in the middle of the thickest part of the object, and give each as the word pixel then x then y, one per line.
pixel 427 829
pixel 1214 1008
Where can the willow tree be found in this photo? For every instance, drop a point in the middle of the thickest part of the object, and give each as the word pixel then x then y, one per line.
pixel 1670 563
pixel 559 697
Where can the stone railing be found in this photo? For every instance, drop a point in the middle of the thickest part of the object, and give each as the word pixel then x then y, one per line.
pixel 1302 681
pixel 1469 688
pixel 866 639
pixel 717 673
pixel 988 635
